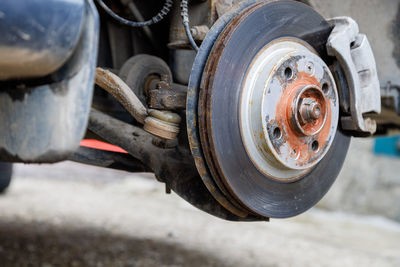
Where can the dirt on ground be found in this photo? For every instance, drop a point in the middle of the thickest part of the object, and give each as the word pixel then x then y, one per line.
pixel 74 215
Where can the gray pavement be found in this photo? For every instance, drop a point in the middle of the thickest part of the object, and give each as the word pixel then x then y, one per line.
pixel 73 215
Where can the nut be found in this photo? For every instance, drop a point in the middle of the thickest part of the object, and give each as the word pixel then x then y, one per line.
pixel 310 110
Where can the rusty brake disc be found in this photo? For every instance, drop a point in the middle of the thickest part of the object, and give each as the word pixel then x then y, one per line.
pixel 267 112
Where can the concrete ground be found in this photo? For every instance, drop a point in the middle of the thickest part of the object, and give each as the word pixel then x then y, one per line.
pixel 368 183
pixel 74 215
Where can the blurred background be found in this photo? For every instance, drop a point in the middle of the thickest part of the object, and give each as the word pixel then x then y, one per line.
pixel 68 214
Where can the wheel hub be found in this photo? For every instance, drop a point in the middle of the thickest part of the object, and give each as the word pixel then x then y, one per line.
pixel 283 87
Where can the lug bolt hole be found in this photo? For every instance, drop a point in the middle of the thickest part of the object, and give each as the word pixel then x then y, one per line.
pixel 325 88
pixel 310 67
pixel 288 73
pixel 315 146
pixel 277 133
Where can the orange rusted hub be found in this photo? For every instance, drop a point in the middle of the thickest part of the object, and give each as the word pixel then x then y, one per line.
pixel 304 111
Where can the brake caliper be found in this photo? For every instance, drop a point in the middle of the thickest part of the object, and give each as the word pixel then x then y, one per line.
pixel 356 59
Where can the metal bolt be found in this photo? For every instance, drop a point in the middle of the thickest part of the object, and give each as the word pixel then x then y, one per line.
pixel 199 32
pixel 310 110
pixel 163 83
pixel 164 77
pixel 310 67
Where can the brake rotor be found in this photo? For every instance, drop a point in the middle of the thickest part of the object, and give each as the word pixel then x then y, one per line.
pixel 268 111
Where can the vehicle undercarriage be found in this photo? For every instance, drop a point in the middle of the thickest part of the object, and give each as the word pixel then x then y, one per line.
pixel 245 109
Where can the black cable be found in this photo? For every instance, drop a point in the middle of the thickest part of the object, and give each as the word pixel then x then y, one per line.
pixel 157 18
pixel 185 21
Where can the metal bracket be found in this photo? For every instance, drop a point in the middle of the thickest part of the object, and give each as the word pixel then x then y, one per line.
pixel 167 96
pixel 355 56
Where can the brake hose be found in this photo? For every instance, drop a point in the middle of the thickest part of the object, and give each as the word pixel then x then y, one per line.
pixel 157 18
pixel 185 21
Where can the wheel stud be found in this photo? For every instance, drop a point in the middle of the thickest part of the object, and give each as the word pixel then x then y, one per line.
pixel 310 110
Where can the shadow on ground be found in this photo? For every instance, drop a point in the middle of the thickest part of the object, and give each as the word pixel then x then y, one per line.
pixel 39 244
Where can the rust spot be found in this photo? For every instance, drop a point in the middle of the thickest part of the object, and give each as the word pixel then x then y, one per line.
pixel 296 141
